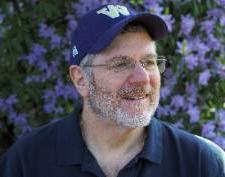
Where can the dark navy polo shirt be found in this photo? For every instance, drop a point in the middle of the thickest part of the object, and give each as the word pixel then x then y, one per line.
pixel 58 150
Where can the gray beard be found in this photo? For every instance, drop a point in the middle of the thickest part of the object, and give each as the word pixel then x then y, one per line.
pixel 104 105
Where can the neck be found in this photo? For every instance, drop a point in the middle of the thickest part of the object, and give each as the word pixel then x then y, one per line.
pixel 106 136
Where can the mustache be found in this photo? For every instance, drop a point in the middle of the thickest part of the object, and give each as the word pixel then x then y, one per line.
pixel 134 91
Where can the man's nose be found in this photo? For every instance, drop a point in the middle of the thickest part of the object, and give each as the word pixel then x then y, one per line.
pixel 139 74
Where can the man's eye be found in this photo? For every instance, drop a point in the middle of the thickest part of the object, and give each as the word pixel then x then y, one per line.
pixel 120 65
pixel 149 63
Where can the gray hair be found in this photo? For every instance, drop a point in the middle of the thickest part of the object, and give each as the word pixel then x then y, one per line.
pixel 87 60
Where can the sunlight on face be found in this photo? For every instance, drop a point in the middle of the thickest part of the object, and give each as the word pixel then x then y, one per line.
pixel 132 102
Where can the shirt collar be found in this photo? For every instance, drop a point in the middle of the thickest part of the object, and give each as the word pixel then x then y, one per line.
pixel 70 147
pixel 152 150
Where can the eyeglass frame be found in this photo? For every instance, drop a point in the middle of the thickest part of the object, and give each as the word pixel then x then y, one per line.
pixel 132 64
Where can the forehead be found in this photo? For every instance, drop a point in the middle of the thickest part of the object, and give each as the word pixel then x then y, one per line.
pixel 133 44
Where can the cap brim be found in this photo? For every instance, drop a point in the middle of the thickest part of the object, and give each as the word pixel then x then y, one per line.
pixel 155 26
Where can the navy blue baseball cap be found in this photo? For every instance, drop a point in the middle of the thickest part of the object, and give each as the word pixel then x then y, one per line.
pixel 97 29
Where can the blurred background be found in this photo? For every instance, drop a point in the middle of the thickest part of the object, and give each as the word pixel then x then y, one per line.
pixel 34 52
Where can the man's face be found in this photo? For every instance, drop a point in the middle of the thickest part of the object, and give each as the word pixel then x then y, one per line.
pixel 128 97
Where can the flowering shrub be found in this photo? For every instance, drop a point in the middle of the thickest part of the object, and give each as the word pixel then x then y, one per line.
pixel 35 87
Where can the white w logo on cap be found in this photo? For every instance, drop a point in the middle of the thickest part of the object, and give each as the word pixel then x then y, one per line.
pixel 75 51
pixel 114 11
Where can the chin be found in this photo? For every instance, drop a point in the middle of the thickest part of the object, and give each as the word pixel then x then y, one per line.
pixel 133 120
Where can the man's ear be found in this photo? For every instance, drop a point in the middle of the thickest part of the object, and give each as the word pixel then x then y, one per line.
pixel 78 79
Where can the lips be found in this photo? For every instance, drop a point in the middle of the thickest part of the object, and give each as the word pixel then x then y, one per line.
pixel 136 93
pixel 135 97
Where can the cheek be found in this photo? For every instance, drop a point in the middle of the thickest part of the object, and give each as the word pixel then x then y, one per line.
pixel 105 86
pixel 155 81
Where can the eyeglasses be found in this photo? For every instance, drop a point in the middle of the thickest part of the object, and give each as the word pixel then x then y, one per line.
pixel 125 63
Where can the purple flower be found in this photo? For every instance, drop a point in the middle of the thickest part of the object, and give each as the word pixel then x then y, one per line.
pixel 84 6
pixel 72 23
pixel 18 119
pixel 179 124
pixel 36 55
pixel 194 114
pixel 207 26
pixel 168 18
pixel 49 95
pixel 55 41
pixel 221 114
pixel 33 78
pixel 165 92
pixel 66 91
pixel 153 7
pixel 222 20
pixel 187 24
pixel 11 100
pixel 163 111
pixel 204 77
pixel 191 91
pixel 26 129
pixel 151 2
pixel 222 125
pixel 112 2
pixel 221 2
pixel 208 129
pixel 220 140
pixel 49 108
pixel 66 54
pixel 191 61
pixel 31 58
pixel 45 31
pixel 215 13
pixel 42 65
pixel 220 69
pixel 1 18
pixel 184 47
pixel 59 110
pixel 199 46
pixel 177 101
pixel 52 69
pixel 201 49
pixel 38 50
pixel 213 42
pixel 21 119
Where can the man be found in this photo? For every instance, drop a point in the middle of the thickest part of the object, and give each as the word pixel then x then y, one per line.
pixel 116 70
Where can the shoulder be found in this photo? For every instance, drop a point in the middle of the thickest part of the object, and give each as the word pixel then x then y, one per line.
pixel 43 137
pixel 45 134
pixel 194 148
pixel 34 149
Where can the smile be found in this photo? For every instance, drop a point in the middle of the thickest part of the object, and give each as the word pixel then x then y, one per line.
pixel 140 97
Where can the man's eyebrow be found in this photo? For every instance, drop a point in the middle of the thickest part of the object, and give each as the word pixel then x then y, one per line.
pixel 150 55
pixel 119 57
pixel 126 57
